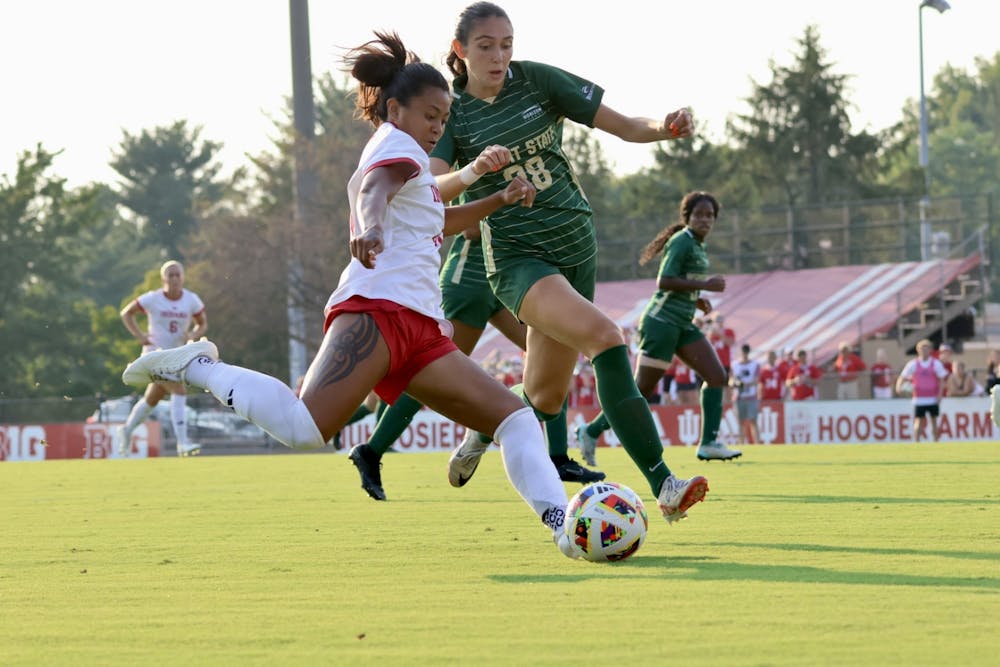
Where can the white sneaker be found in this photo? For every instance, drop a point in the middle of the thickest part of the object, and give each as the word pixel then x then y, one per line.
pixel 995 404
pixel 717 451
pixel 465 459
pixel 167 365
pixel 678 495
pixel 124 436
pixel 587 444
pixel 190 449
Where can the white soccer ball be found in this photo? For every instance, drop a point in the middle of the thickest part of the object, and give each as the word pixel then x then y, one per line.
pixel 606 522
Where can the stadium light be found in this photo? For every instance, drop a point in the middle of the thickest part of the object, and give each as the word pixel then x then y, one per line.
pixel 925 233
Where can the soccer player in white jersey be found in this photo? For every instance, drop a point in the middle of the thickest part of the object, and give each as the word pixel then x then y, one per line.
pixel 175 316
pixel 385 328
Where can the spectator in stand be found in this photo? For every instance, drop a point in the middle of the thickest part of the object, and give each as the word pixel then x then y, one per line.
pixel 784 365
pixel 687 384
pixel 992 371
pixel 959 382
pixel 802 378
pixel 586 389
pixel 992 385
pixel 744 379
pixel 722 339
pixel 772 380
pixel 848 366
pixel 881 375
pixel 943 354
pixel 927 375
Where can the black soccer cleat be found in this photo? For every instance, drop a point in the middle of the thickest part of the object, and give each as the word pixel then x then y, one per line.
pixel 571 471
pixel 370 468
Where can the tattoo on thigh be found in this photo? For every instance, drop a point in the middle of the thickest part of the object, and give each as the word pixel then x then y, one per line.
pixel 347 349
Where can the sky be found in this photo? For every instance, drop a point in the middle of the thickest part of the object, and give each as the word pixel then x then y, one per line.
pixel 74 75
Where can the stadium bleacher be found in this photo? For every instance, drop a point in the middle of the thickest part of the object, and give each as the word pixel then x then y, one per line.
pixel 812 309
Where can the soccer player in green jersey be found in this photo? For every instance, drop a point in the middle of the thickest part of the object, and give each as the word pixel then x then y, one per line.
pixel 469 304
pixel 666 326
pixel 541 261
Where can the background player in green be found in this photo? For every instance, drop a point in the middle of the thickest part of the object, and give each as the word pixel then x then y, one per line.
pixel 666 326
pixel 541 262
pixel 468 303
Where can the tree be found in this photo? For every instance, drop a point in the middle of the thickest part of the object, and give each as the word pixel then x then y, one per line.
pixel 798 139
pixel 46 328
pixel 169 177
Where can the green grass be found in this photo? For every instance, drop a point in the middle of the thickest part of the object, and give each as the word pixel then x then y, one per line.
pixel 801 555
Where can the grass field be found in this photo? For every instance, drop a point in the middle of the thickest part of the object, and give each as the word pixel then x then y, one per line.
pixel 801 555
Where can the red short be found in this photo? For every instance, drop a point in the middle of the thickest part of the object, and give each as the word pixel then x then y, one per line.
pixel 414 340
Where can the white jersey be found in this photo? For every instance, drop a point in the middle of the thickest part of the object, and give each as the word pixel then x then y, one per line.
pixel 406 272
pixel 169 319
pixel 747 373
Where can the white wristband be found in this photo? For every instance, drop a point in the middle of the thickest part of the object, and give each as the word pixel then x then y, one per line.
pixel 467 175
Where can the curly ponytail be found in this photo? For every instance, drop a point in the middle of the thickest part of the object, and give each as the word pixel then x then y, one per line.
pixel 385 70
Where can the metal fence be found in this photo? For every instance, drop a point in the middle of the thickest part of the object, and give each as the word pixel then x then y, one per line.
pixel 818 236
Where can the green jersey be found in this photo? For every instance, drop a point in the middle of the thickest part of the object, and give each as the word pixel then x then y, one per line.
pixel 464 264
pixel 683 257
pixel 527 117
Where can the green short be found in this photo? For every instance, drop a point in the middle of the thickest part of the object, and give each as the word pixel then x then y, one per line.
pixel 472 305
pixel 514 277
pixel 660 340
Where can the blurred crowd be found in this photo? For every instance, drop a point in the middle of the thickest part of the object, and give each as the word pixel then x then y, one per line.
pixel 789 375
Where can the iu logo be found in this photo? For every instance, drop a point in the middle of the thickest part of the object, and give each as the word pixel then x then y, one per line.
pixel 767 425
pixel 689 427
pixel 799 426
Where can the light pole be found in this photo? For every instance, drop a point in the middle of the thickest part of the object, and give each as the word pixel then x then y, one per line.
pixel 925 226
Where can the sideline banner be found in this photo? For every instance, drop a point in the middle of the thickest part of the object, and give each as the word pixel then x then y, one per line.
pixel 40 442
pixel 814 422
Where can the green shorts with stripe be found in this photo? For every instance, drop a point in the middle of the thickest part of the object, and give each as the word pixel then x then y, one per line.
pixel 470 304
pixel 466 296
pixel 660 340
pixel 514 277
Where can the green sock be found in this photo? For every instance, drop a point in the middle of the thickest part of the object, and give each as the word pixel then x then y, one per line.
pixel 359 414
pixel 380 409
pixel 557 434
pixel 597 425
pixel 628 413
pixel 393 422
pixel 711 413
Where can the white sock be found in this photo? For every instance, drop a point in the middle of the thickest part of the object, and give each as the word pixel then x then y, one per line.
pixel 139 412
pixel 526 460
pixel 258 398
pixel 178 407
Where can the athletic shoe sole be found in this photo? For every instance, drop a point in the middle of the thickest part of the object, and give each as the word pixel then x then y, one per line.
pixel 720 458
pixel 694 493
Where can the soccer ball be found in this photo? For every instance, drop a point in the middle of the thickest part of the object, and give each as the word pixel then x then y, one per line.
pixel 606 521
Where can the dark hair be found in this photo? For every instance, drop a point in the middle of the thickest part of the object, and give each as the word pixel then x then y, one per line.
pixel 688 204
pixel 385 70
pixel 470 16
